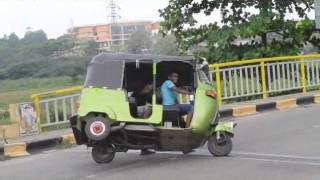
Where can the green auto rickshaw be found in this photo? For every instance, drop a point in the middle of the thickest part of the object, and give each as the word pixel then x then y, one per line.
pixel 107 120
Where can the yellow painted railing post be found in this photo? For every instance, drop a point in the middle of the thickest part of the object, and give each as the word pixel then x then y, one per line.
pixel 263 79
pixel 303 76
pixel 36 100
pixel 218 83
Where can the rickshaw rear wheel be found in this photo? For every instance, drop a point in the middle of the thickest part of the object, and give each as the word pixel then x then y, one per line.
pixel 220 147
pixel 103 154
pixel 97 128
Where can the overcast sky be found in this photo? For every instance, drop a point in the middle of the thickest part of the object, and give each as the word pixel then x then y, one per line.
pixel 56 16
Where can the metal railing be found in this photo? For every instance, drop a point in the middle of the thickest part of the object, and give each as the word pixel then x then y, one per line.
pixel 238 80
pixel 55 107
pixel 265 77
pixel 57 110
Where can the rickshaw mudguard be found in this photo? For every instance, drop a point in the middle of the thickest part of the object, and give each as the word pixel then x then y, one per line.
pixel 114 103
pixel 222 127
pixel 205 109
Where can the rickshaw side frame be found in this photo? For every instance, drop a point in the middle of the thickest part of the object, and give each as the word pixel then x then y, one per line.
pixel 121 113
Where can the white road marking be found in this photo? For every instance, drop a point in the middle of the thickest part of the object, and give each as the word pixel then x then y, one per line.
pixel 204 152
pixel 282 161
pixel 91 176
pixel 316 126
pixel 49 151
pixel 276 155
pixel 290 159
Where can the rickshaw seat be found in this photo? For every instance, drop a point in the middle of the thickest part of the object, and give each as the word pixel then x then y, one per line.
pixel 171 113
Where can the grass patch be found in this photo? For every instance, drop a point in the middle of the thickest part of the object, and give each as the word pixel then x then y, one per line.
pixel 17 91
pixel 4 118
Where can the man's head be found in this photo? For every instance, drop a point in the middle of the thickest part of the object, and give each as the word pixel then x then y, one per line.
pixel 147 89
pixel 173 76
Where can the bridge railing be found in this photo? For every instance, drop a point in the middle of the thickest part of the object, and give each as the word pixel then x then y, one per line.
pixel 265 77
pixel 55 107
pixel 235 81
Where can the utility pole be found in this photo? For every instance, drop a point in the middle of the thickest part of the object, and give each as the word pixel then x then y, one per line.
pixel 317 13
pixel 112 10
pixel 112 15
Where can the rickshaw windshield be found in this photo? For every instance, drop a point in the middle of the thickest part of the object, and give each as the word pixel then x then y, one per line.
pixel 107 74
pixel 203 77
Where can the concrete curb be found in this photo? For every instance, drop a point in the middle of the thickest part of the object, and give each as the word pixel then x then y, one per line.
pixel 15 150
pixel 252 109
pixel 66 139
pixel 244 110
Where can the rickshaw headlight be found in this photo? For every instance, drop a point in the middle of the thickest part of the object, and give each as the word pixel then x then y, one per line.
pixel 212 94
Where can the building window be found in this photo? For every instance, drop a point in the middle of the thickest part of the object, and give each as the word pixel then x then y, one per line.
pixel 116 30
pixel 129 29
pixel 116 37
pixel 140 28
pixel 117 42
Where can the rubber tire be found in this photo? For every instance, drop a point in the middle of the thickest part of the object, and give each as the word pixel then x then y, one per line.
pixel 103 154
pixel 105 121
pixel 219 149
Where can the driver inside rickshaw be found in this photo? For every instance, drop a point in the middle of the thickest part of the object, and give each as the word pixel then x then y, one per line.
pixel 169 92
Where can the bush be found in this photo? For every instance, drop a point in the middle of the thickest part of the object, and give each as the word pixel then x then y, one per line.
pixel 47 67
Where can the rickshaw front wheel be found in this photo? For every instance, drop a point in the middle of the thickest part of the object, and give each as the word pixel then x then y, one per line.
pixel 221 146
pixel 103 154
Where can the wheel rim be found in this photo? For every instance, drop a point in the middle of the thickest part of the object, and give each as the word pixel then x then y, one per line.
pixel 97 128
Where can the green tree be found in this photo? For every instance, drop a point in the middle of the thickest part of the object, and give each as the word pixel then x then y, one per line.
pixel 248 28
pixel 118 48
pixel 165 45
pixel 13 40
pixel 66 42
pixel 33 37
pixel 91 48
pixel 139 42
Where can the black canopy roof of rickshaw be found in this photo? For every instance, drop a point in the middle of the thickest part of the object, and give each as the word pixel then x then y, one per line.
pixel 142 58
pixel 112 66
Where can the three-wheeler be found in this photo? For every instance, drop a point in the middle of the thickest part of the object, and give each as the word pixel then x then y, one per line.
pixel 107 120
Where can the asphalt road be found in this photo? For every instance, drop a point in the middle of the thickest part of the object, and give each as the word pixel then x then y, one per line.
pixel 272 145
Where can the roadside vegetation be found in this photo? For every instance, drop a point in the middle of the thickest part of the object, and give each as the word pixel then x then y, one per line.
pixel 34 63
pixel 248 29
pixel 17 91
pixel 244 30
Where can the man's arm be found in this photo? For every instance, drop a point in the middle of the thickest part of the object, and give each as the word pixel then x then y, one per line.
pixel 181 91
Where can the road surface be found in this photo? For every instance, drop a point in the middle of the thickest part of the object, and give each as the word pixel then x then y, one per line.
pixel 272 145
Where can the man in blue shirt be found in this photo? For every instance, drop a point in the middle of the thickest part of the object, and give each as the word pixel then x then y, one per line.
pixel 169 95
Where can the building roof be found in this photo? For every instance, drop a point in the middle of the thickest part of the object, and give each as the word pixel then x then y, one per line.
pixel 119 22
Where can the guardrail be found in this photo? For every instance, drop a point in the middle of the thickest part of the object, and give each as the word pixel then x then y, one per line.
pixel 258 78
pixel 264 77
pixel 52 110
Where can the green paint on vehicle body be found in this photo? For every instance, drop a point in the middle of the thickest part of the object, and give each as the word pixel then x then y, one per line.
pixel 223 127
pixel 115 104
pixel 205 109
